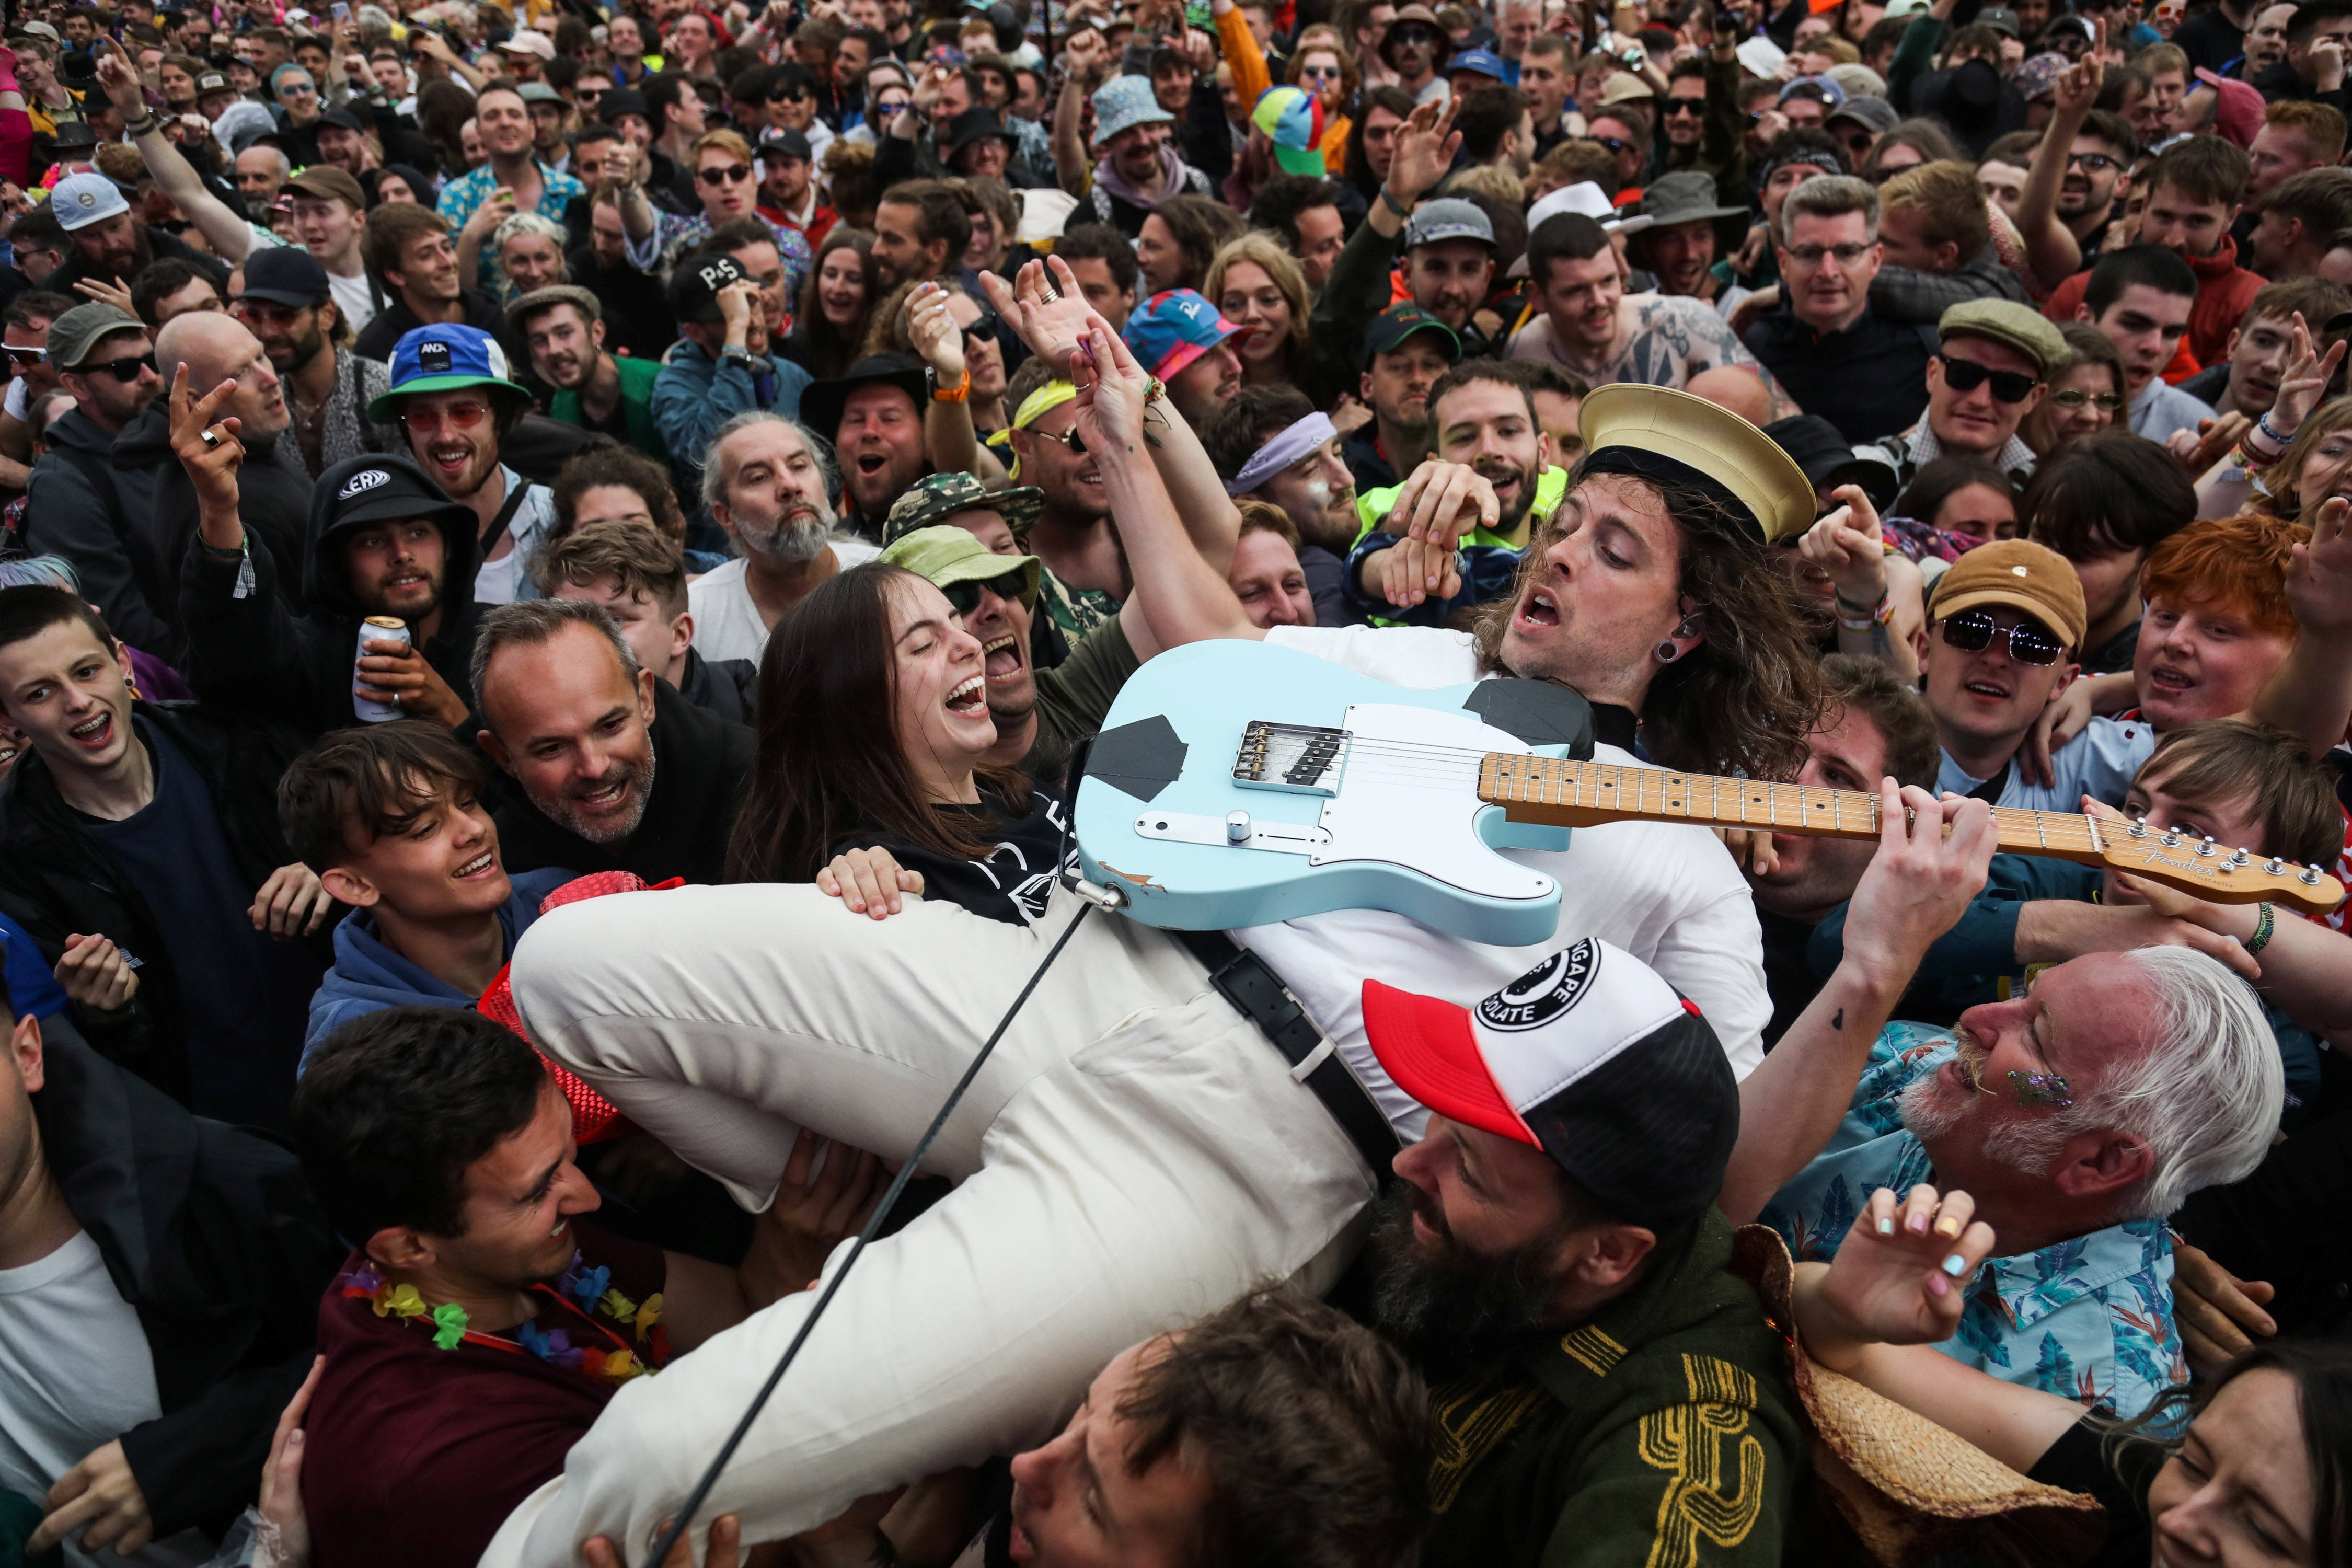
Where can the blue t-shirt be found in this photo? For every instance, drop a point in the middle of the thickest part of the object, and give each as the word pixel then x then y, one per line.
pixel 31 987
pixel 2099 763
pixel 243 994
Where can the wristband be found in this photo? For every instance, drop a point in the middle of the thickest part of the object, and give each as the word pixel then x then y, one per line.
pixel 1862 619
pixel 2263 926
pixel 1393 204
pixel 146 123
pixel 955 394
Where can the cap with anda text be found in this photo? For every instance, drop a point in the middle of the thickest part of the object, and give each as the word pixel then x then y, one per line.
pixel 1589 1057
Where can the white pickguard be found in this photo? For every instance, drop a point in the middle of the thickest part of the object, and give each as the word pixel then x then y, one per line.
pixel 1410 797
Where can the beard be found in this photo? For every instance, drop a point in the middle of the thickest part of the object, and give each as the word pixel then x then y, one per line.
pixel 602 829
pixel 792 538
pixel 1493 468
pixel 1446 1306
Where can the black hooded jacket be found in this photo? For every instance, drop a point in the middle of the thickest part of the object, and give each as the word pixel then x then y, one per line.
pixel 252 655
pixel 57 880
pixel 211 1236
pixel 702 764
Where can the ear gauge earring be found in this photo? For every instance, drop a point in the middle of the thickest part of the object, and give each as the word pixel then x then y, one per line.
pixel 1668 653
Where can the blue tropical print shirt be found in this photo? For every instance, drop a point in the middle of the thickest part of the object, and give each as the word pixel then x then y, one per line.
pixel 461 196
pixel 2088 1319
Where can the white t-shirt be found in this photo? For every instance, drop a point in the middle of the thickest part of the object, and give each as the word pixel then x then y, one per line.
pixel 1669 895
pixel 505 579
pixel 726 623
pixel 353 299
pixel 74 1374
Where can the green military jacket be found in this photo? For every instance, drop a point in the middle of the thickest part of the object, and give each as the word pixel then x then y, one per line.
pixel 1662 1434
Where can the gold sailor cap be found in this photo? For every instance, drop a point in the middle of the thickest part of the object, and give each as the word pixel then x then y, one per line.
pixel 1721 450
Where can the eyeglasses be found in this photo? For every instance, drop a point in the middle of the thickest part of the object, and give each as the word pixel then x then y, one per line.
pixel 2076 397
pixel 964 597
pixel 1973 631
pixel 23 357
pixel 1967 376
pixel 724 175
pixel 2092 162
pixel 124 369
pixel 791 94
pixel 461 415
pixel 1810 255
pixel 1070 438
pixel 1412 35
pixel 1318 73
pixel 1677 107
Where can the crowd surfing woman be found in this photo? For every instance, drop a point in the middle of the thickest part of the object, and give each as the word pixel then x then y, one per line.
pixel 2261 1473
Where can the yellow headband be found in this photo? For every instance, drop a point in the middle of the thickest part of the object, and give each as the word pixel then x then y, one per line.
pixel 1035 407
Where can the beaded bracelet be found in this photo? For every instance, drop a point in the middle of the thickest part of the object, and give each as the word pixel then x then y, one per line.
pixel 2263 926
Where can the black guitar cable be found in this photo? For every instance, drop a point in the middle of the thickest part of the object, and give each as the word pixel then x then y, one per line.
pixel 694 1499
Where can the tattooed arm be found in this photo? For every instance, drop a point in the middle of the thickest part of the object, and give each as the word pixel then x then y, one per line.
pixel 1696 340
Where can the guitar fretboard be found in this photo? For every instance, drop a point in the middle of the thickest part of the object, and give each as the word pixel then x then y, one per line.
pixel 1606 790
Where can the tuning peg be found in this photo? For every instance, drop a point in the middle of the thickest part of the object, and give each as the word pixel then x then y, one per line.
pixel 2171 839
pixel 2240 857
pixel 2206 848
pixel 2139 828
pixel 2310 877
pixel 2273 866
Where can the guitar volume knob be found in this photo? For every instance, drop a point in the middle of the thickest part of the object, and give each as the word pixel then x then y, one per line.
pixel 1237 826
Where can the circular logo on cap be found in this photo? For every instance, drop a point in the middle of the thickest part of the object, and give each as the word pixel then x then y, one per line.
pixel 365 480
pixel 85 198
pixel 1545 992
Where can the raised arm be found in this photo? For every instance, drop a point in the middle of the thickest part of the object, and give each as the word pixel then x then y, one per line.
pixel 1178 596
pixel 230 234
pixel 948 438
pixel 1918 883
pixel 1895 1292
pixel 2050 247
pixel 1085 59
pixel 2312 692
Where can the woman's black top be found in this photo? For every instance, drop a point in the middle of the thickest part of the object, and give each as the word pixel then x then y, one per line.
pixel 1013 881
pixel 2078 1462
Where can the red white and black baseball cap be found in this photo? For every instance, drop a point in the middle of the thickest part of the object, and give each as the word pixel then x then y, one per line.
pixel 1589 1057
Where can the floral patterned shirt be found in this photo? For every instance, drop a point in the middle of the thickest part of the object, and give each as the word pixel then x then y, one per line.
pixel 461 196
pixel 2088 1318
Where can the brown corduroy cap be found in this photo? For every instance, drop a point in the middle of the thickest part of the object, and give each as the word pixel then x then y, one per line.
pixel 2021 575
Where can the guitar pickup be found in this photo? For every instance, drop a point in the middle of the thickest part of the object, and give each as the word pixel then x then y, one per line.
pixel 1227 833
pixel 1299 759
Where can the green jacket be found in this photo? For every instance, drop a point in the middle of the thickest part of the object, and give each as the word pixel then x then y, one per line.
pixel 637 378
pixel 1662 1434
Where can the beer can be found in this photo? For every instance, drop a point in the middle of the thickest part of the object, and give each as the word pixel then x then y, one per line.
pixel 376 628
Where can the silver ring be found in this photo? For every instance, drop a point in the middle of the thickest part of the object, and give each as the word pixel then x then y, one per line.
pixel 1053 293
pixel 210 439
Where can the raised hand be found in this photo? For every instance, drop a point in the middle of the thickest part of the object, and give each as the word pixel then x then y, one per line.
pixel 1849 546
pixel 1113 388
pixel 211 464
pixel 1052 328
pixel 105 293
pixel 2308 371
pixel 932 328
pixel 2319 578
pixel 119 78
pixel 2214 440
pixel 1900 1278
pixel 1931 860
pixel 1425 146
pixel 2078 89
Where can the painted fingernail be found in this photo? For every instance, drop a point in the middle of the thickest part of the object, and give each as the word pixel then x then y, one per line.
pixel 1948 1227
pixel 1936 1285
pixel 1885 1224
pixel 1918 1225
pixel 1956 1266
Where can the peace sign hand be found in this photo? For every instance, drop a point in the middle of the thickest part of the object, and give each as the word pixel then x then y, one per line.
pixel 2308 371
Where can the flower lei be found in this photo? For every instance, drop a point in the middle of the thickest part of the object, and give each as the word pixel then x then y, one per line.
pixel 589 1290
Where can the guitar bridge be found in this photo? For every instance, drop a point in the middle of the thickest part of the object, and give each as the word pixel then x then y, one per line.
pixel 1299 759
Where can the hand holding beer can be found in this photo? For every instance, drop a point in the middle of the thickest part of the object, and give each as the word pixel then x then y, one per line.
pixel 375 629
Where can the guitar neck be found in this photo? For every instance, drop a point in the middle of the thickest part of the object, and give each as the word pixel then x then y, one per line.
pixel 1545 789
pixel 1579 795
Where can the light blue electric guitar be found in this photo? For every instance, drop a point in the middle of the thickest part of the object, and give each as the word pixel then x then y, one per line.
pixel 1236 783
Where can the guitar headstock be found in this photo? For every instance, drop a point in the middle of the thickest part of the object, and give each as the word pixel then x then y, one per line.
pixel 2204 870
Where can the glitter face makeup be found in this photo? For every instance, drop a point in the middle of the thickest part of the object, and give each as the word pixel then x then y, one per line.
pixel 2042 1090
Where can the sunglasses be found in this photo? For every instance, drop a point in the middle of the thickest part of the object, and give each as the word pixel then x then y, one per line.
pixel 1966 375
pixel 792 94
pixel 1973 631
pixel 1318 73
pixel 23 357
pixel 461 415
pixel 1412 35
pixel 964 597
pixel 125 369
pixel 2076 397
pixel 1677 108
pixel 725 175
pixel 983 330
pixel 1610 142
pixel 1070 438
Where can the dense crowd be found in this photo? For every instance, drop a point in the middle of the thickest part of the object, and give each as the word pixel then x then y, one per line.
pixel 564 573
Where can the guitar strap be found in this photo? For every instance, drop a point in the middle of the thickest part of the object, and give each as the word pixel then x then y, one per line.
pixel 1990 791
pixel 1243 979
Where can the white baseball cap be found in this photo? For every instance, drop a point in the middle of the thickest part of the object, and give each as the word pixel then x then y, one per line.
pixel 81 200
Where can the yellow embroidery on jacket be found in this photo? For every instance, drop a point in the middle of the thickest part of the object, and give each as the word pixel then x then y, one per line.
pixel 1591 1348
pixel 1470 1420
pixel 1699 1446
